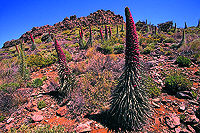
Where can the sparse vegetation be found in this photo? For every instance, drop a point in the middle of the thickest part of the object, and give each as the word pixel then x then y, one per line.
pixel 183 61
pixel 37 83
pixel 176 82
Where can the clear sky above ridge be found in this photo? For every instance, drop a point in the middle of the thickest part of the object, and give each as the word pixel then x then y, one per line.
pixel 19 16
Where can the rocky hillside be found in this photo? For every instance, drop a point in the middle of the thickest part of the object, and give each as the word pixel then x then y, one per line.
pixel 99 17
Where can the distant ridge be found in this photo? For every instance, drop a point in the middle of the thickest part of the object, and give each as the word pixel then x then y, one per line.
pixel 99 17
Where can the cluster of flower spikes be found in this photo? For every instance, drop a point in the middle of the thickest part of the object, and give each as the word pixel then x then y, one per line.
pixel 129 103
pixel 65 77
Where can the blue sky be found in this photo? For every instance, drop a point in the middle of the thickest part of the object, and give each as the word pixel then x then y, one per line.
pixel 19 16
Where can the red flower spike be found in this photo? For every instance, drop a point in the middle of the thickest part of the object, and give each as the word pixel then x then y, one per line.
pixel 17 49
pixel 80 35
pixel 132 43
pixel 101 34
pixel 81 31
pixel 32 40
pixel 61 55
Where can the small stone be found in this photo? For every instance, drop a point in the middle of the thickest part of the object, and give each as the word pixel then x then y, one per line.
pixel 37 118
pixel 156 99
pixel 183 95
pixel 172 121
pixel 62 111
pixel 84 127
pixel 9 120
pixel 155 105
pixel 181 108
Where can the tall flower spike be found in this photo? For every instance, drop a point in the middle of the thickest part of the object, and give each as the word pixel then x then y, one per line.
pixel 80 34
pixel 129 103
pixel 61 55
pixel 132 44
pixel 32 40
pixel 65 77
pixel 89 43
pixel 106 32
pixel 33 47
pixel 81 31
pixel 110 32
pixel 117 31
pixel 101 34
pixel 17 49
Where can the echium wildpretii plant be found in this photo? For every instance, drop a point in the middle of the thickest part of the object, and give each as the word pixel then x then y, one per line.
pixel 66 79
pixel 22 66
pixel 122 28
pixel 82 43
pixel 117 31
pixel 185 25
pixel 106 32
pixel 101 34
pixel 183 40
pixel 198 26
pixel 33 46
pixel 175 28
pixel 110 32
pixel 129 102
pixel 89 43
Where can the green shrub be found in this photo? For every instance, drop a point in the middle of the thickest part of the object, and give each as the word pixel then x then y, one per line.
pixel 176 82
pixel 105 49
pixel 38 41
pixel 41 104
pixel 152 87
pixel 69 39
pixel 44 78
pixel 37 83
pixel 11 85
pixel 74 45
pixel 183 61
pixel 169 40
pixel 147 50
pixel 2 118
pixel 40 60
pixel 118 49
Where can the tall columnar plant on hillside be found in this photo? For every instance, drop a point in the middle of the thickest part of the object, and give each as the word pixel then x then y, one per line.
pixel 66 79
pixel 33 46
pixel 82 43
pixel 183 40
pixel 146 22
pixel 175 28
pixel 101 34
pixel 155 30
pixel 198 26
pixel 106 33
pixel 89 43
pixel 17 49
pixel 185 25
pixel 23 66
pixel 129 103
pixel 117 31
pixel 122 29
pixel 110 32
